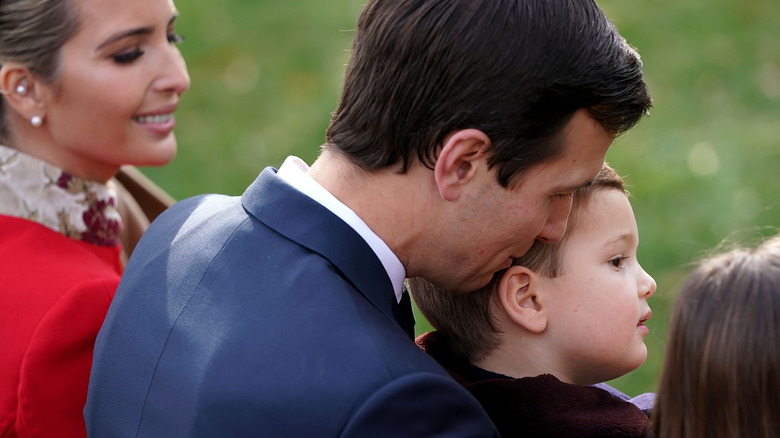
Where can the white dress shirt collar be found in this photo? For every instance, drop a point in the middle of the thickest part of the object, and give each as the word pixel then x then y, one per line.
pixel 293 171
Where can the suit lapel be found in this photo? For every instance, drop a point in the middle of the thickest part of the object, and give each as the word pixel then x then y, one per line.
pixel 301 219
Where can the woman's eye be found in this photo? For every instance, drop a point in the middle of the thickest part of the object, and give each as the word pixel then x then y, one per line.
pixel 128 57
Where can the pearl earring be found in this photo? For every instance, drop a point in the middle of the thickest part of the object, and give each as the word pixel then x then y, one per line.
pixel 21 89
pixel 36 121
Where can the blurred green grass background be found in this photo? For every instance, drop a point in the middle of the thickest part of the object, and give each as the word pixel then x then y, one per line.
pixel 704 166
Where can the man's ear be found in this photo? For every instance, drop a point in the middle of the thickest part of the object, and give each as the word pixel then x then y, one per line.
pixel 18 86
pixel 520 299
pixel 458 161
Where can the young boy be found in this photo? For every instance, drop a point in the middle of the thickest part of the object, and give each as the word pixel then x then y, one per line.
pixel 561 318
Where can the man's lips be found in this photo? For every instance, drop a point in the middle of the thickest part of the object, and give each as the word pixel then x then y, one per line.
pixel 507 263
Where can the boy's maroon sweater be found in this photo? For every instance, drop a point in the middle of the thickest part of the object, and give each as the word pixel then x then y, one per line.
pixel 541 406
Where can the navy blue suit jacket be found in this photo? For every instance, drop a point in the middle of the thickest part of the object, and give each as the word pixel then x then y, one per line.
pixel 264 315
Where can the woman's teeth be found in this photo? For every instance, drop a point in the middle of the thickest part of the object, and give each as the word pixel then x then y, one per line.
pixel 159 118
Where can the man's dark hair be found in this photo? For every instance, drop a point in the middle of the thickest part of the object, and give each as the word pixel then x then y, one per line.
pixel 515 69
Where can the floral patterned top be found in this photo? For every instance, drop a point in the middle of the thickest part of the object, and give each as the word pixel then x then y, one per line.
pixel 33 189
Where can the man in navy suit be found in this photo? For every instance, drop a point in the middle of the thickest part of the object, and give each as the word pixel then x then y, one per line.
pixel 463 129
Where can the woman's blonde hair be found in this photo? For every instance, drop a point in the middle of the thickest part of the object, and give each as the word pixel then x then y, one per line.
pixel 32 33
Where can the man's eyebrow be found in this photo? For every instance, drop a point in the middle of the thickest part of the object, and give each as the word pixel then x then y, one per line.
pixel 132 32
pixel 574 188
pixel 587 183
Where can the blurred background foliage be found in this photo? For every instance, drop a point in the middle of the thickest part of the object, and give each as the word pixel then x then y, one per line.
pixel 705 166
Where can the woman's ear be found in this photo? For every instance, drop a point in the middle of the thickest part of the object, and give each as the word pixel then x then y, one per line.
pixel 518 294
pixel 19 88
pixel 458 161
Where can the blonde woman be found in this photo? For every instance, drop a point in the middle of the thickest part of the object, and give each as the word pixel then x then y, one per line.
pixel 87 87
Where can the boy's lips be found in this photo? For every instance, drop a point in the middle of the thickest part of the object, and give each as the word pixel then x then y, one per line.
pixel 641 327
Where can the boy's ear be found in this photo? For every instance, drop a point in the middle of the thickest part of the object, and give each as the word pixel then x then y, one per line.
pixel 18 86
pixel 458 161
pixel 518 293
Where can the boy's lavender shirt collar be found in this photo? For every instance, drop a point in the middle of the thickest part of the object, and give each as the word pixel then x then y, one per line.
pixel 645 401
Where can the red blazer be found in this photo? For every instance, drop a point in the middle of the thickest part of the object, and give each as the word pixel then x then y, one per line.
pixel 54 294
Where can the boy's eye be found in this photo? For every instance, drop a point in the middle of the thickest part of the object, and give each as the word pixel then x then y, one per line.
pixel 617 261
pixel 175 38
pixel 128 57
